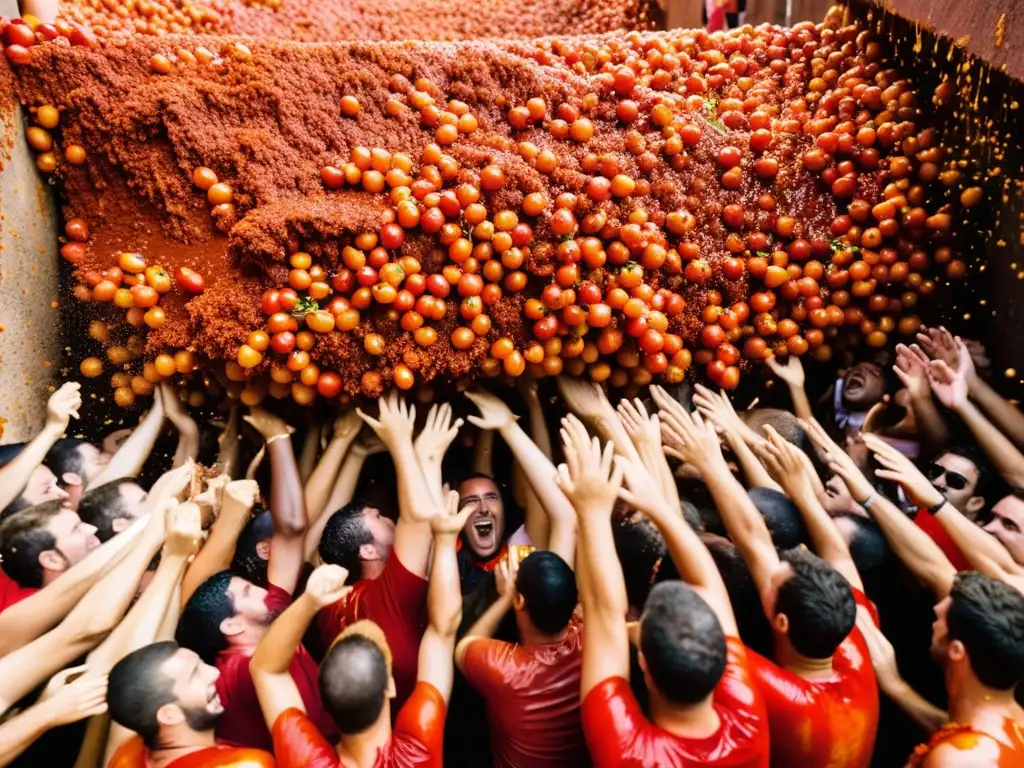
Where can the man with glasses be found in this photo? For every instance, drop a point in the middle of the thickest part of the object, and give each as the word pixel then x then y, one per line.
pixel 962 475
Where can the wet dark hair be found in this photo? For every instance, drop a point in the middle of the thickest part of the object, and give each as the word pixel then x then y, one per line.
pixel 344 534
pixel 548 585
pixel 743 593
pixel 682 643
pixel 247 562
pixel 103 505
pixel 23 537
pixel 199 625
pixel 65 457
pixel 354 683
pixel 781 515
pixel 641 550
pixel 867 544
pixel 137 689
pixel 818 602
pixel 987 616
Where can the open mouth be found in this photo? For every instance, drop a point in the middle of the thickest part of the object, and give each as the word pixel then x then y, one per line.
pixel 484 527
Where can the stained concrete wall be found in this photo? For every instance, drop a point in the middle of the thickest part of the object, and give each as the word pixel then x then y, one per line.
pixel 29 315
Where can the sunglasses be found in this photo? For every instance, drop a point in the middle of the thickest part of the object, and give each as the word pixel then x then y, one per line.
pixel 954 480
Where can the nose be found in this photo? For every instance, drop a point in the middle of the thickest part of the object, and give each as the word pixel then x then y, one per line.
pixel 990 527
pixel 89 529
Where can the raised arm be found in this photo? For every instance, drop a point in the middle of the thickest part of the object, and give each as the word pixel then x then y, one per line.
pixel 483 452
pixel 321 482
pixel 24 622
pixel 219 550
pixel 132 455
pixel 717 408
pixel 689 555
pixel 62 406
pixel 644 431
pixel 539 471
pixel 287 505
pixel 433 441
pixel 591 483
pixel 270 665
pixel 537 523
pixel 950 386
pixel 699 446
pixel 912 370
pixel 892 684
pixel 311 445
pixel 792 373
pixel 444 599
pixel 227 442
pixel 84 697
pixel 588 401
pixel 417 500
pixel 983 551
pixel 784 463
pixel 188 431
pixel 344 489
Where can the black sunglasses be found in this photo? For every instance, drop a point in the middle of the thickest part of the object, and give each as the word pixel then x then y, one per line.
pixel 954 480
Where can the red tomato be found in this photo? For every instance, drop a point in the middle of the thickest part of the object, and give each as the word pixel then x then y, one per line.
pixel 190 281
pixel 271 301
pixel 283 343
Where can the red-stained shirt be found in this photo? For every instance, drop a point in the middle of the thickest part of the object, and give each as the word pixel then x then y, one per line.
pixel 533 700
pixel 416 741
pixel 11 592
pixel 823 723
pixel 926 522
pixel 242 723
pixel 618 734
pixel 396 601
pixel 133 754
pixel 1003 750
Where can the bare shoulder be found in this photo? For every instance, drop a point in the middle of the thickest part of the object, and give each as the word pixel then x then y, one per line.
pixel 963 749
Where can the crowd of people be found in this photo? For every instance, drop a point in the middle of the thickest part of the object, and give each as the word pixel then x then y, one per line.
pixel 662 582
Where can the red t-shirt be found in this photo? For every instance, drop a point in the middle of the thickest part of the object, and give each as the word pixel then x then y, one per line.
pixel 978 747
pixel 533 700
pixel 416 741
pixel 11 592
pixel 618 734
pixel 242 723
pixel 926 522
pixel 823 723
pixel 133 754
pixel 396 601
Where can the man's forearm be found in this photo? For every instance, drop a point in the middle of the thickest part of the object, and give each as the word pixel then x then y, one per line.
pixel 310 449
pixel 277 648
pixel 982 549
pixel 132 455
pixel 416 499
pixel 930 425
pixel 1001 411
pixel 913 547
pixel 489 621
pixel 753 470
pixel 444 598
pixel 1008 461
pixel 20 732
pixel 140 626
pixel 188 443
pixel 287 504
pixel 540 473
pixel 610 429
pixel 321 482
pixel 483 452
pixel 920 710
pixel 606 586
pixel 14 475
pixel 344 489
pixel 801 405
pixel 219 549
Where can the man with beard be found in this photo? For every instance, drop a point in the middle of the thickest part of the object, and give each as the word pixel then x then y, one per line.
pixel 168 696
pixel 226 617
pixel 483 543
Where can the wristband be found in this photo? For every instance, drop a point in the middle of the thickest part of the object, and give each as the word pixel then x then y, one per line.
pixel 868 501
pixel 934 508
pixel 277 437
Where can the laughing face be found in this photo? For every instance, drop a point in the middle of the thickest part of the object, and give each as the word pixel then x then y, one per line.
pixel 485 529
pixel 195 691
pixel 863 386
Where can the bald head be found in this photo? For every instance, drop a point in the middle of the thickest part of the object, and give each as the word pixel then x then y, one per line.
pixel 354 682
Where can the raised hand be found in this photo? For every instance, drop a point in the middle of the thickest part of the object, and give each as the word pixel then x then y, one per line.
pixel 266 423
pixel 643 429
pixel 494 414
pixel 346 426
pixel 940 344
pixel 326 585
pixel 588 478
pixel 693 441
pixel 641 490
pixel 900 469
pixel 83 697
pixel 63 405
pixel 950 385
pixel 506 572
pixel 717 408
pixel 784 463
pixel 839 461
pixel 184 530
pixel 883 655
pixel 243 492
pixel 394 422
pixel 173 407
pixel 584 398
pixel 792 372
pixel 368 445
pixel 450 522
pixel 437 434
pixel 912 370
pixel 173 483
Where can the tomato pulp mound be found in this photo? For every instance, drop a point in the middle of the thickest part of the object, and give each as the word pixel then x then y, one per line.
pixel 358 214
